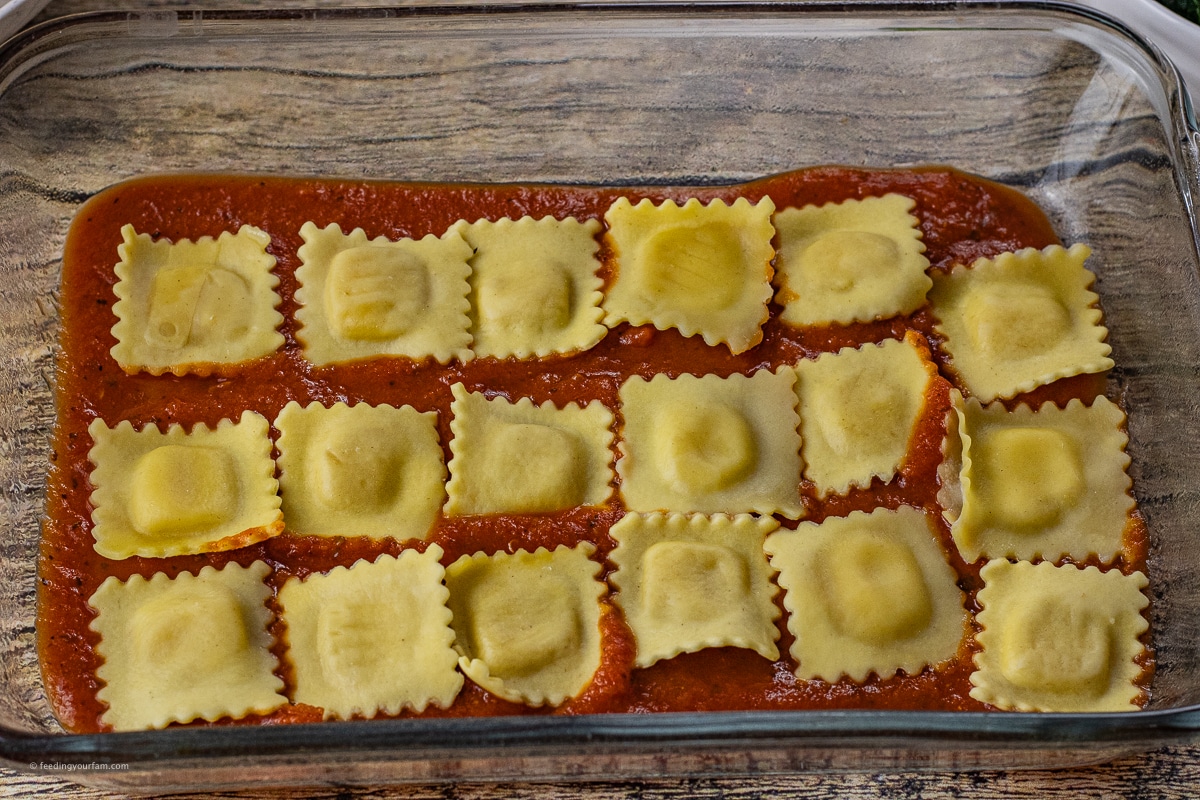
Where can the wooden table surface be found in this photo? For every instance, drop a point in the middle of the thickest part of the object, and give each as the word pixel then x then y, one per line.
pixel 1172 772
pixel 1169 774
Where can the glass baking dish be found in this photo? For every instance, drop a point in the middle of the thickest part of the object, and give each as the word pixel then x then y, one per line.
pixel 1061 103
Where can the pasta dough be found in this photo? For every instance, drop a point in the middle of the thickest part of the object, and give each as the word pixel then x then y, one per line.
pixel 1039 484
pixel 194 306
pixel 527 625
pixel 711 444
pixel 374 637
pixel 858 411
pixel 1059 638
pixel 853 261
pixel 192 647
pixel 868 593
pixel 1022 320
pixel 360 470
pixel 165 494
pixel 534 286
pixel 521 458
pixel 687 583
pixel 362 298
pixel 703 269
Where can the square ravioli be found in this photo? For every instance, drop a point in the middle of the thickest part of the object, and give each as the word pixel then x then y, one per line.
pixel 859 409
pixel 534 287
pixel 868 593
pixel 1021 320
pixel 361 470
pixel 364 298
pixel 527 625
pixel 519 458
pixel 1059 638
pixel 854 261
pixel 192 647
pixel 1037 484
pixel 703 269
pixel 711 444
pixel 167 494
pixel 194 306
pixel 687 583
pixel 374 637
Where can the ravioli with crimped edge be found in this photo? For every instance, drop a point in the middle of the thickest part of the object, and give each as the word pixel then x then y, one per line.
pixel 859 409
pixel 868 593
pixel 185 648
pixel 1059 638
pixel 687 582
pixel 199 491
pixel 361 470
pixel 527 625
pixel 365 298
pixel 525 458
pixel 534 287
pixel 195 306
pixel 1021 320
pixel 1038 483
pixel 704 269
pixel 854 261
pixel 711 444
pixel 372 638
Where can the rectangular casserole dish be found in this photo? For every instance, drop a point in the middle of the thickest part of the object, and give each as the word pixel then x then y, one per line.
pixel 1060 103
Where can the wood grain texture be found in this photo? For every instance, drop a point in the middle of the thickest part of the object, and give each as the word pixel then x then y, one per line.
pixel 1168 774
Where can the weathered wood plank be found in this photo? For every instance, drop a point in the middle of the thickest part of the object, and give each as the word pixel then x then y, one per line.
pixel 1168 774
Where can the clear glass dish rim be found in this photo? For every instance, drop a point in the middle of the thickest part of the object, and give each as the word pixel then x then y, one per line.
pixel 462 738
pixel 27 38
pixel 607 733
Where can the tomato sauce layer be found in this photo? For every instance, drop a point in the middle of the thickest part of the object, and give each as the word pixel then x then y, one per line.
pixel 961 218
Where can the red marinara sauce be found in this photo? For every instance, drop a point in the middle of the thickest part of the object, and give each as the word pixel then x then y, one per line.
pixel 962 218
